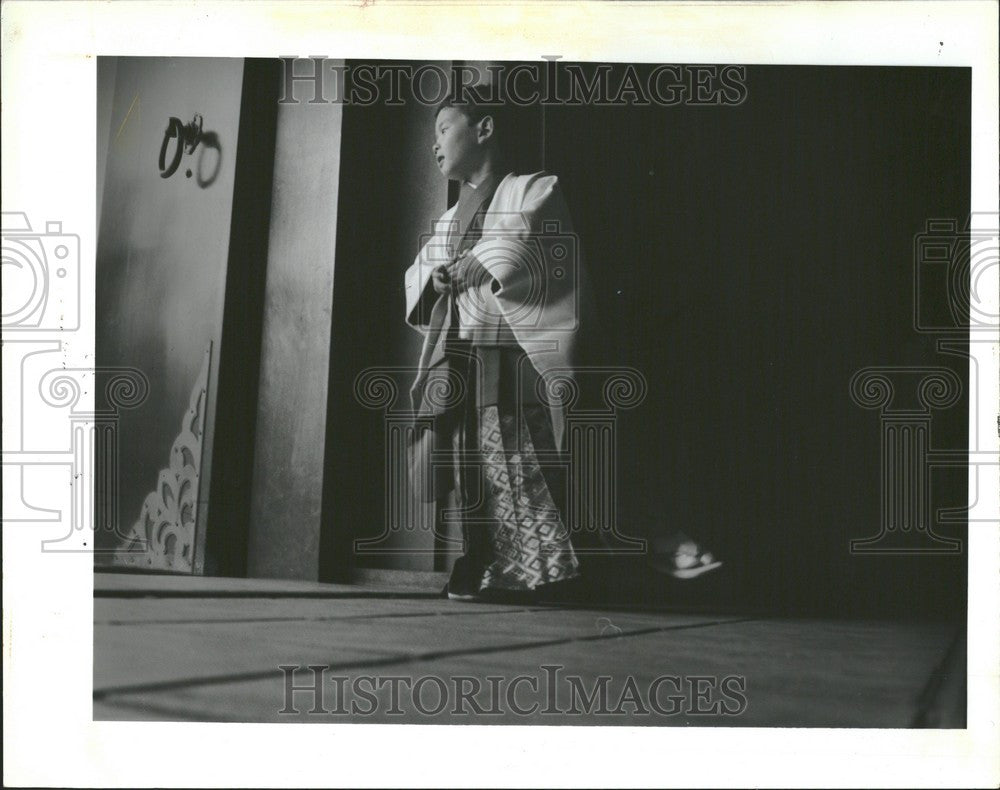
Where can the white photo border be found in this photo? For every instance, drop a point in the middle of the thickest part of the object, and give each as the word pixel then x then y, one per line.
pixel 49 55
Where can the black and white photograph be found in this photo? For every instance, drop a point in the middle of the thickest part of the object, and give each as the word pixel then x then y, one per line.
pixel 558 396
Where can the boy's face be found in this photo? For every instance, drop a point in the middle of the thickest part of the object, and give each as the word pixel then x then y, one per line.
pixel 457 144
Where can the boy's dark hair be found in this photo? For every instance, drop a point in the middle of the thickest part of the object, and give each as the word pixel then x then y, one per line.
pixel 515 128
pixel 475 104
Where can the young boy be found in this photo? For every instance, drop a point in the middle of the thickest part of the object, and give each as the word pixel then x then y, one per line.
pixel 496 292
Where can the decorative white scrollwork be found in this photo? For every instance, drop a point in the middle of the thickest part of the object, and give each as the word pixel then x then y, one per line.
pixel 164 535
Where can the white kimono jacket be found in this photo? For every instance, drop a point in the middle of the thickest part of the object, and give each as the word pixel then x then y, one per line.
pixel 533 256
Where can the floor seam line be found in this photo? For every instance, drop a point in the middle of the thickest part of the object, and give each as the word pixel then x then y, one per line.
pixel 105 694
pixel 340 618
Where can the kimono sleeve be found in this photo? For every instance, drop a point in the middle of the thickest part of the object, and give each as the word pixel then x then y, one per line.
pixel 420 293
pixel 532 254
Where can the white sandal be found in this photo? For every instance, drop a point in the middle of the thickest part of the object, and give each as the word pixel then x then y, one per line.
pixel 687 562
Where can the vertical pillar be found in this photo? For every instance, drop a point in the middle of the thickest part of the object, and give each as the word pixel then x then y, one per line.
pixel 288 465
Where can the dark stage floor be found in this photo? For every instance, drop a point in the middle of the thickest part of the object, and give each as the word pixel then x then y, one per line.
pixel 206 649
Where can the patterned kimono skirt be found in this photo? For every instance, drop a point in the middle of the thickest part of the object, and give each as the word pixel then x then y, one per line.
pixel 509 486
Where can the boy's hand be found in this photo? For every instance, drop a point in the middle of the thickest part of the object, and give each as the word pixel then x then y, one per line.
pixel 441 280
pixel 467 272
